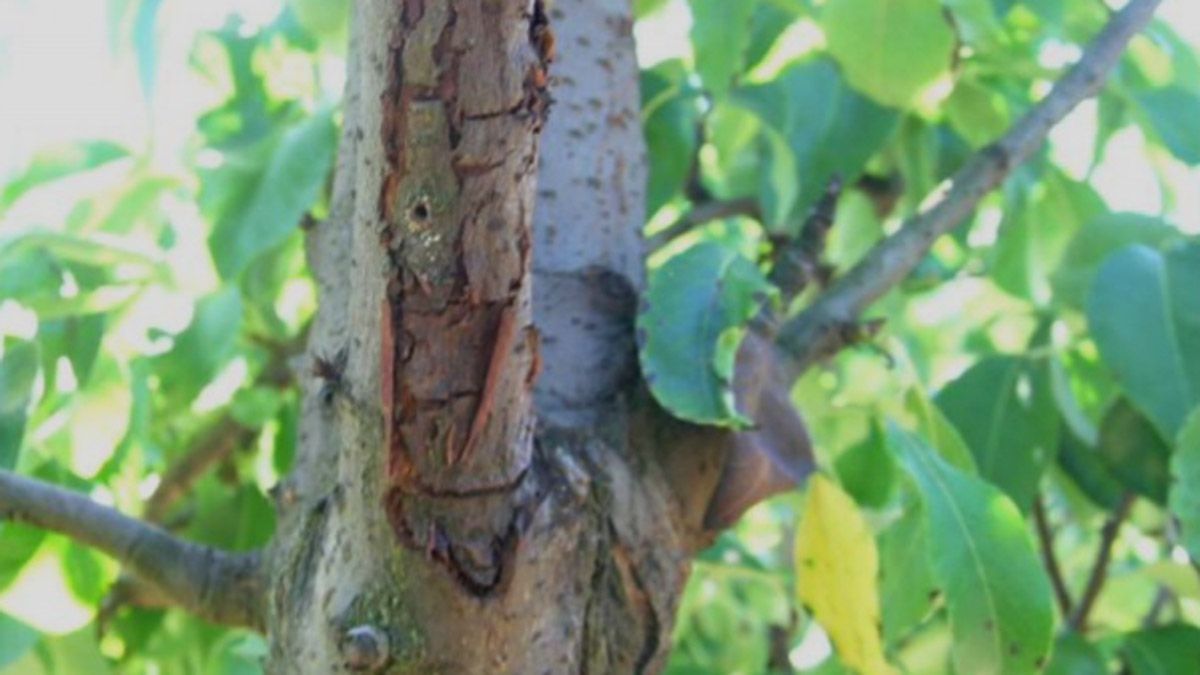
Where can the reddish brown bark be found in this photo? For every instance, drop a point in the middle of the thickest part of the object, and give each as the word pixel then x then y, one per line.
pixel 458 351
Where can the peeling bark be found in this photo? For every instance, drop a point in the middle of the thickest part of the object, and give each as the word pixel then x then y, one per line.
pixel 432 514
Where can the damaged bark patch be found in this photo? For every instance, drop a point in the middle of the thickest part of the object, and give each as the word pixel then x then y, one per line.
pixel 458 351
pixel 474 536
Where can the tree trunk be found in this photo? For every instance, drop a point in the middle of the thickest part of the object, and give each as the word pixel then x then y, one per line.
pixel 485 486
pixel 448 515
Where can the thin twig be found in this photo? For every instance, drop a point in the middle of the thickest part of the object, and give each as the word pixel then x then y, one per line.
pixel 221 587
pixel 1162 598
pixel 1095 582
pixel 706 212
pixel 800 259
pixel 819 330
pixel 216 444
pixel 1046 537
pixel 221 439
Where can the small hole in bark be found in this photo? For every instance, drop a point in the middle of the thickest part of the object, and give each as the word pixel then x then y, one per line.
pixel 420 212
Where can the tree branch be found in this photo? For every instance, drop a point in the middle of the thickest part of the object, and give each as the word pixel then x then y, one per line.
pixel 821 329
pixel 222 438
pixel 706 212
pixel 1095 582
pixel 217 443
pixel 1046 538
pixel 221 587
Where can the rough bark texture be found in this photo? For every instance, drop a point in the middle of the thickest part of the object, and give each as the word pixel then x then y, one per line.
pixel 438 521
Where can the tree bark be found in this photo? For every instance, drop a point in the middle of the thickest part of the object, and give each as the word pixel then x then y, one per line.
pixel 451 511
pixel 436 522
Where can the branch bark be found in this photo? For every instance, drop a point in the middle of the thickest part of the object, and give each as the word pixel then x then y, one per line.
pixel 221 587
pixel 823 328
pixel 1095 582
pixel 219 441
pixel 1046 538
pixel 706 212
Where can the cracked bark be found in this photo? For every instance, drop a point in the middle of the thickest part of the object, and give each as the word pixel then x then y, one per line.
pixel 427 503
pixel 430 512
pixel 450 512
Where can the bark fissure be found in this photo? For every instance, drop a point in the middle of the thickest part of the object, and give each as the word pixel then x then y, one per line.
pixel 435 529
pixel 458 353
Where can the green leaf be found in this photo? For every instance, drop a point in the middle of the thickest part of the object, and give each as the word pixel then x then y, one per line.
pixel 77 652
pixel 670 117
pixel 146 43
pixel 1142 313
pixel 997 595
pixel 18 370
pixel 12 435
pixel 15 639
pixel 1002 408
pixel 291 184
pixel 75 337
pixel 1096 240
pixel 99 419
pixel 1073 655
pixel 202 348
pixel 1167 650
pixel 284 451
pixel 695 308
pixel 1180 578
pixel 85 573
pixel 892 51
pixel 1134 452
pixel 96 250
pixel 327 19
pixel 907 588
pixel 1038 225
pixel 240 518
pixel 137 207
pixel 976 21
pixel 720 36
pixel 978 113
pixel 18 543
pixel 1185 484
pixel 642 8
pixel 867 470
pixel 1087 469
pixel 60 161
pixel 1174 114
pixel 769 21
pixel 933 426
pixel 255 406
pixel 831 129
pixel 237 654
pixel 28 273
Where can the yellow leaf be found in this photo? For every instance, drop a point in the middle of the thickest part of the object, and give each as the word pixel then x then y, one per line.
pixel 837 569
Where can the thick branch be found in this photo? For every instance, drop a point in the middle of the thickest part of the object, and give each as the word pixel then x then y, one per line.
pixel 819 331
pixel 221 587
